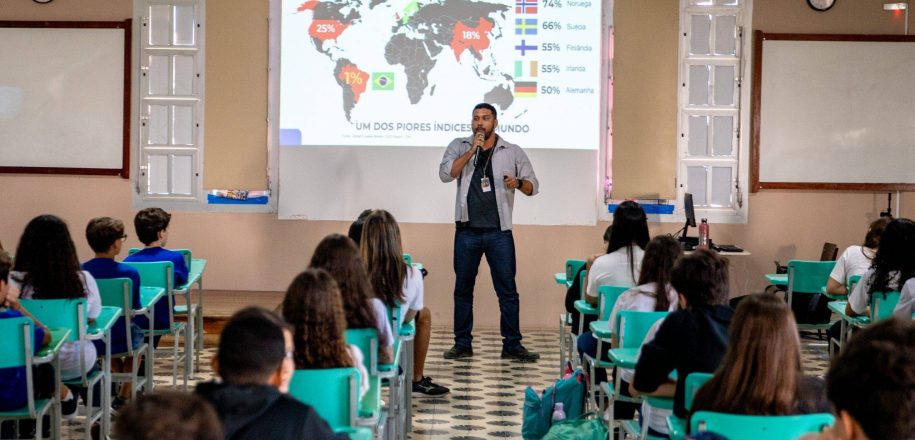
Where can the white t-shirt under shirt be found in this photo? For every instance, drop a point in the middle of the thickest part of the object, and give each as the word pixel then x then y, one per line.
pixel 359 362
pixel 412 292
pixel 382 323
pixel 858 299
pixel 642 299
pixel 613 269
pixel 854 261
pixel 906 306
pixel 69 351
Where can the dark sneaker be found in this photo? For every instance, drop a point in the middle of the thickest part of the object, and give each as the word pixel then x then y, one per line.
pixel 458 353
pixel 520 354
pixel 117 403
pixel 428 388
pixel 68 407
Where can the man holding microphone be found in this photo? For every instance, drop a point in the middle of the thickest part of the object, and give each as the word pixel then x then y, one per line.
pixel 483 218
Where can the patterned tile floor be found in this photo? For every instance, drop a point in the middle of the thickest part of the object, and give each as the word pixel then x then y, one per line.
pixel 487 393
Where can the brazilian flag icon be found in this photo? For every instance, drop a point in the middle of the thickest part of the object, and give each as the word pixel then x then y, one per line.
pixel 383 81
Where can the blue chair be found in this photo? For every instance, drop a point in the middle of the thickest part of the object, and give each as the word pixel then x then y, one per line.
pixel 743 427
pixel 333 393
pixel 160 274
pixel 676 426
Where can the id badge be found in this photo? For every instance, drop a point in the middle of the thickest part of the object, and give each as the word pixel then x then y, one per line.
pixel 484 184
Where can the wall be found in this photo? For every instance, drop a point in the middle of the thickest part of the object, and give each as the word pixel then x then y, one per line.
pixel 258 252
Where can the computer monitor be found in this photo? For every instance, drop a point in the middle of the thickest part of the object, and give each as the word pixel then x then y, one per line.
pixel 690 214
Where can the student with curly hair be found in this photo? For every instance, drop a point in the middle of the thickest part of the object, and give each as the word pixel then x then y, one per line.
pixel 340 257
pixel 894 266
pixel 314 308
pixel 168 414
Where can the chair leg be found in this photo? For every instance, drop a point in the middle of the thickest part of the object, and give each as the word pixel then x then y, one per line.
pixel 562 342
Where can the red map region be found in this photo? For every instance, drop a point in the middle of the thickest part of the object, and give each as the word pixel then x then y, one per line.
pixel 355 79
pixel 308 6
pixel 474 38
pixel 326 29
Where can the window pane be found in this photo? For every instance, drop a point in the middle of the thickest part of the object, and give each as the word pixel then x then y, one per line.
pixel 728 2
pixel 724 85
pixel 182 125
pixel 721 187
pixel 183 75
pixel 698 85
pixel 158 174
pixel 160 18
pixel 184 25
pixel 723 127
pixel 700 28
pixel 696 185
pixel 698 135
pixel 726 35
pixel 157 125
pixel 701 2
pixel 157 75
pixel 182 174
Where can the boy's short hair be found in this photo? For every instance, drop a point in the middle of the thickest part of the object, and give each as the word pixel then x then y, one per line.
pixel 148 222
pixel 102 232
pixel 873 379
pixel 355 229
pixel 702 277
pixel 252 346
pixel 168 414
pixel 6 263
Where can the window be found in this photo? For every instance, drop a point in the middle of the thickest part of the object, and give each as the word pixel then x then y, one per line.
pixel 170 113
pixel 711 153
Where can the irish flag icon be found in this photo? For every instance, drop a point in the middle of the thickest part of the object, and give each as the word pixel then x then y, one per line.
pixel 383 81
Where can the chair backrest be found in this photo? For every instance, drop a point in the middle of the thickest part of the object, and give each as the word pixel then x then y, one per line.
pixel 808 276
pixel 60 313
pixel 853 281
pixel 407 258
pixel 116 292
pixel 607 299
pixel 572 267
pixel 581 284
pixel 830 252
pixel 158 274
pixel 186 253
pixel 367 341
pixel 693 382
pixel 633 326
pixel 16 334
pixel 331 392
pixel 742 427
pixel 882 305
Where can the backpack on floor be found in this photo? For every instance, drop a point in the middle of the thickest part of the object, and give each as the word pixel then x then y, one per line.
pixel 538 410
pixel 587 427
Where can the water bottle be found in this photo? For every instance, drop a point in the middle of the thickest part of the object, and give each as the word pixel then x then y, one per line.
pixel 558 412
pixel 704 240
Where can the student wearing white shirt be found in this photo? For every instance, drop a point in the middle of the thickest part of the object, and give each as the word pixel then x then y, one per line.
pixel 893 266
pixel 622 263
pixel 856 259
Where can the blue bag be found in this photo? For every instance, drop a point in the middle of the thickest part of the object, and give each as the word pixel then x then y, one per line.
pixel 538 410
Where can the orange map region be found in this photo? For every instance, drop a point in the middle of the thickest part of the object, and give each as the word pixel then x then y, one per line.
pixel 326 29
pixel 355 79
pixel 474 38
pixel 308 6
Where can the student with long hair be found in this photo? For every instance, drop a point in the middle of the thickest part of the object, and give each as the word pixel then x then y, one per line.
pixel 620 266
pixel 314 308
pixel 857 259
pixel 399 285
pixel 46 267
pixel 340 257
pixel 762 372
pixel 893 266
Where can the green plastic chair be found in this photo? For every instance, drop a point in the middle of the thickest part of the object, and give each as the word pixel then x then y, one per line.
pixel 743 427
pixel 332 392
pixel 600 329
pixel 160 274
pixel 370 411
pixel 676 426
pixel 567 339
pixel 397 373
pixel 808 277
pixel 883 304
pixel 118 292
pixel 582 306
pixel 18 350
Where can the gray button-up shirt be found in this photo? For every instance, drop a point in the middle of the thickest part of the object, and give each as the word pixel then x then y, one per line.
pixel 505 157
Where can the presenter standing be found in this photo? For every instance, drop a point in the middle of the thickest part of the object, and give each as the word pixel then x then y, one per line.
pixel 483 218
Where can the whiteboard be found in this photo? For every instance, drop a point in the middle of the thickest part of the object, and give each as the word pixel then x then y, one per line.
pixel 63 98
pixel 834 113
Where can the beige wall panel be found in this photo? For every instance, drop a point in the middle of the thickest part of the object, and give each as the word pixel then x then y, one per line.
pixel 67 10
pixel 845 17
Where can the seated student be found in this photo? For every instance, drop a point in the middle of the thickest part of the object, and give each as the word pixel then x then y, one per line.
pixel 151 225
pixel 872 384
pixel 314 308
pixel 857 259
pixel 106 237
pixel 340 257
pixel 894 266
pixel 573 292
pixel 621 264
pixel 694 337
pixel 168 415
pixel 47 268
pixel 762 372
pixel 395 283
pixel 652 294
pixel 255 364
pixel 13 385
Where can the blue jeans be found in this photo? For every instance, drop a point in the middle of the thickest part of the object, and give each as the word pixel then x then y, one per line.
pixel 499 247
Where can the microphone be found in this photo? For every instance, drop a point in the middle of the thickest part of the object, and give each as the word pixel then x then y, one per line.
pixel 478 139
